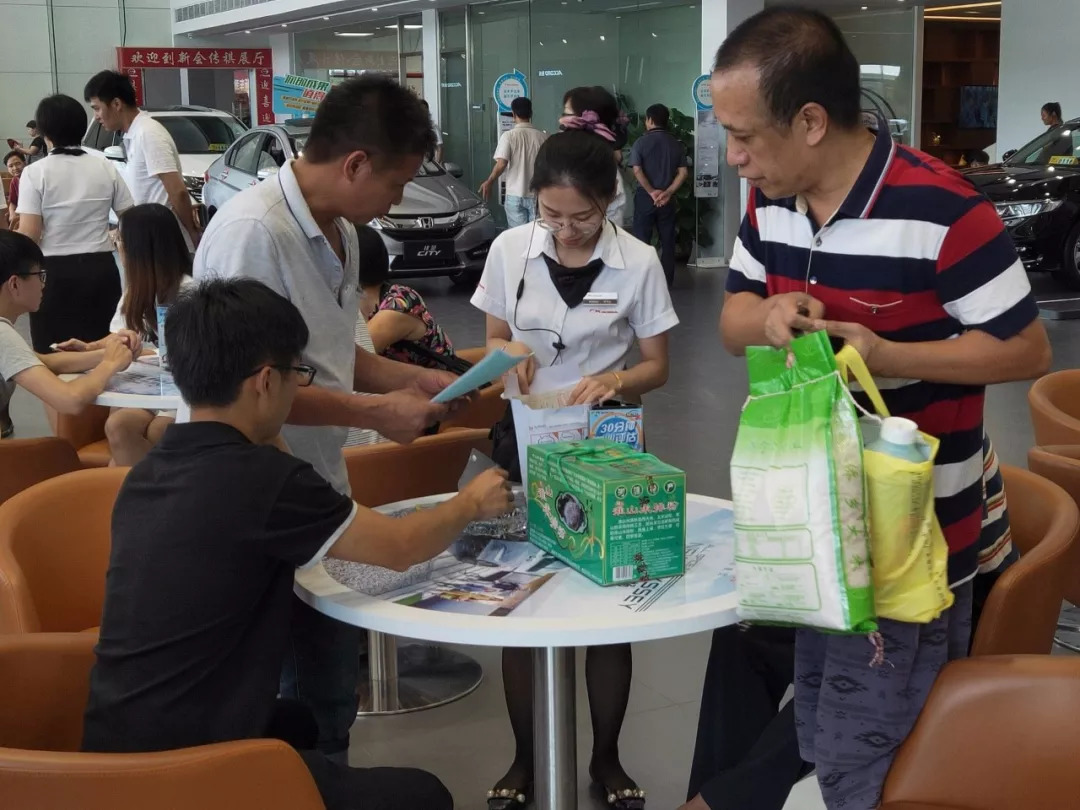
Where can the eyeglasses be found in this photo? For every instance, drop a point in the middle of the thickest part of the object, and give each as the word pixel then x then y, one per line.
pixel 581 228
pixel 41 273
pixel 304 372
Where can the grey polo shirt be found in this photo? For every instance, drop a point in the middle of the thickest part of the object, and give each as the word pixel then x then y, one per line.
pixel 267 233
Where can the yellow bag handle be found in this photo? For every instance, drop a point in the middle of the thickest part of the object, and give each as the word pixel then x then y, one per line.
pixel 849 361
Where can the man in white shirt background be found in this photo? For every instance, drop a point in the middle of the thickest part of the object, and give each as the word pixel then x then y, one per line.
pixel 515 156
pixel 153 172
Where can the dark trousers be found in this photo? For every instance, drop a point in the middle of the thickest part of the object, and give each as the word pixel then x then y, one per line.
pixel 646 217
pixel 345 788
pixel 81 294
pixel 747 755
pixel 321 671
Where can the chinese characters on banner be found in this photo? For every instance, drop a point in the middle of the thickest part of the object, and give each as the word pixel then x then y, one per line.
pixel 133 61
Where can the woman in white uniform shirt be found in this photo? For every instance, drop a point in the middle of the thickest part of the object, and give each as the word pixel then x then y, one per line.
pixel 64 204
pixel 534 292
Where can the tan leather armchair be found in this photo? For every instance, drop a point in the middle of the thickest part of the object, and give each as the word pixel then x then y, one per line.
pixel 482 413
pixel 1061 464
pixel 25 462
pixel 54 552
pixel 46 683
pixel 997 733
pixel 1054 402
pixel 388 472
pixel 1020 615
pixel 85 432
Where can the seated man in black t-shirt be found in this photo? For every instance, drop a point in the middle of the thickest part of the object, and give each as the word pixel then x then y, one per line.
pixel 207 533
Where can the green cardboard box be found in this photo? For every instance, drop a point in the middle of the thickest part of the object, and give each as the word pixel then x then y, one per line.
pixel 608 511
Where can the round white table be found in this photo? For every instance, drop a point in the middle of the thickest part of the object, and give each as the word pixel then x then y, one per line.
pixel 520 597
pixel 143 384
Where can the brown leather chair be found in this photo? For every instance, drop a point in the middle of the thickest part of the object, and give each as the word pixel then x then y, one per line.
pixel 997 733
pixel 25 462
pixel 46 683
pixel 484 411
pixel 1061 464
pixel 1020 615
pixel 1054 402
pixel 85 432
pixel 388 472
pixel 54 552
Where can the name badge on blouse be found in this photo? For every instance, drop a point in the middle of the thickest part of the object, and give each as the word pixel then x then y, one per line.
pixel 602 298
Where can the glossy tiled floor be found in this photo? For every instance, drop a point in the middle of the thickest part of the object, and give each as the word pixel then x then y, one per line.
pixel 693 419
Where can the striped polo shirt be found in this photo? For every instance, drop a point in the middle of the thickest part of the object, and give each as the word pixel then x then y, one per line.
pixel 916 254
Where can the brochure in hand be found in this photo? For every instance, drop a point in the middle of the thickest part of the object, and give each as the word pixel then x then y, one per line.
pixel 487 370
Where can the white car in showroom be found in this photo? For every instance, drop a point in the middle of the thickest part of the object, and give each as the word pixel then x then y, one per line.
pixel 201 136
pixel 440 227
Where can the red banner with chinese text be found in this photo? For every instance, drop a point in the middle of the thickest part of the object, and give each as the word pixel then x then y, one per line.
pixel 133 61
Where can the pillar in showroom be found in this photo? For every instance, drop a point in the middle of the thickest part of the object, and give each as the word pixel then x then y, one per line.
pixel 718 19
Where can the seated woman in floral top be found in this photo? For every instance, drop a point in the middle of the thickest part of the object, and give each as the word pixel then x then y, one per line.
pixel 399 322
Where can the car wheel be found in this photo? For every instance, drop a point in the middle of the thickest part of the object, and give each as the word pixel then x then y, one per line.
pixel 1069 274
pixel 466 279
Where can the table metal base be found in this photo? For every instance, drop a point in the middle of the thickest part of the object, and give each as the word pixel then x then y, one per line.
pixel 397 680
pixel 555 728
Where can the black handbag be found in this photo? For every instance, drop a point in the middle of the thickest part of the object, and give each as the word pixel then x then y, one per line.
pixel 451 363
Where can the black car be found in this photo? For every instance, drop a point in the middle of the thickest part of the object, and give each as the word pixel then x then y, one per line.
pixel 1037 194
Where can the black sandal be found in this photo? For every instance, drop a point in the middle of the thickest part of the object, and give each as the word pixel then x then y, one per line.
pixel 507 798
pixel 632 798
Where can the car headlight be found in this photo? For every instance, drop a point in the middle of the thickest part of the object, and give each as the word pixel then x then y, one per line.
pixel 474 214
pixel 1016 211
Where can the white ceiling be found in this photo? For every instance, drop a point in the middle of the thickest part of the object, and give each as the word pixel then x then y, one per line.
pixel 372 18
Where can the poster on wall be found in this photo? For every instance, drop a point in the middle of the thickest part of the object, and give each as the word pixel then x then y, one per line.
pixel 133 61
pixel 707 137
pixel 297 96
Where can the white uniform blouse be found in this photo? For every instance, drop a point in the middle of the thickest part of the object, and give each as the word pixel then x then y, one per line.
pixel 598 335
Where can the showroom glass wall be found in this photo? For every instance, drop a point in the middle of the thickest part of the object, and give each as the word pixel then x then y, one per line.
pixel 644 52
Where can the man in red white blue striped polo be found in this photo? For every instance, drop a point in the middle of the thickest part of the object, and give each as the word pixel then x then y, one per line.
pixel 891 251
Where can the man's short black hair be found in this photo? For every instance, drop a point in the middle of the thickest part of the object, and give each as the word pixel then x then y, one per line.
pixel 979 156
pixel 31 124
pixel 19 255
pixel 522 108
pixel 222 331
pixel 61 119
pixel 659 115
pixel 372 114
pixel 802 58
pixel 10 155
pixel 373 257
pixel 110 84
pixel 1052 108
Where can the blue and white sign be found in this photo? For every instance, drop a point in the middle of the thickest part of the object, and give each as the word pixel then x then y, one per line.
pixel 703 92
pixel 508 87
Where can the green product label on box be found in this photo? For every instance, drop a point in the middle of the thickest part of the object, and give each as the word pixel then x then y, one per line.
pixel 608 511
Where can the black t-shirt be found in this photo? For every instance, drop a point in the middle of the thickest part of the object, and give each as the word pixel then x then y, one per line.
pixel 207 533
pixel 39 142
pixel 660 156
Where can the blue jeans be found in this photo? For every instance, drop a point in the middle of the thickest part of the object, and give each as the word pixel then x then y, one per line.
pixel 321 671
pixel 519 210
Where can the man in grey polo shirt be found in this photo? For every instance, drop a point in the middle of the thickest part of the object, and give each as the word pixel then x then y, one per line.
pixel 293 233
